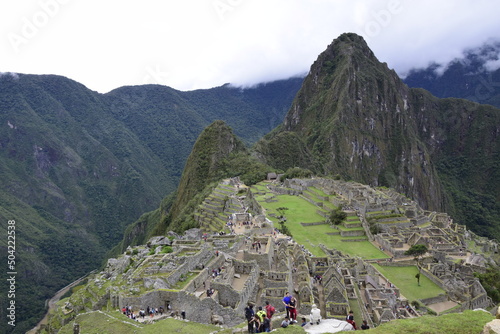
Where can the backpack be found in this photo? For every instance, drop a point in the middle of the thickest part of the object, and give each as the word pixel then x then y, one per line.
pixel 270 309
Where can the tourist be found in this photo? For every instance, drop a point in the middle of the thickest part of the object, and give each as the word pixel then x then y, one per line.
pixel 285 322
pixel 350 319
pixel 265 326
pixel 365 325
pixel 292 308
pixel 315 315
pixel 256 323
pixel 304 322
pixel 261 314
pixel 249 315
pixel 286 302
pixel 270 310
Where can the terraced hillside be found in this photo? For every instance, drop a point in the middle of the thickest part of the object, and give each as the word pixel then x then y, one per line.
pixel 239 256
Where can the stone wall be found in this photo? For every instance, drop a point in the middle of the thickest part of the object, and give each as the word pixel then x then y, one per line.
pixel 433 300
pixel 227 296
pixel 253 271
pixel 196 309
pixel 349 233
pixel 191 262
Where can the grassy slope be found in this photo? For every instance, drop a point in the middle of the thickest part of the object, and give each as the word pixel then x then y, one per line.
pixel 114 323
pixel 468 322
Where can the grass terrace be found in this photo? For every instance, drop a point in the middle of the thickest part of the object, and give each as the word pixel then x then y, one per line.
pixel 318 191
pixel 302 211
pixel 404 279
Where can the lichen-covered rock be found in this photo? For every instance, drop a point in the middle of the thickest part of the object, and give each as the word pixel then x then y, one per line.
pixel 117 266
pixel 159 241
pixel 492 327
pixel 217 320
pixel 193 234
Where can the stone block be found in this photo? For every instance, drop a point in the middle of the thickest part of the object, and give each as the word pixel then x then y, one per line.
pixel 492 327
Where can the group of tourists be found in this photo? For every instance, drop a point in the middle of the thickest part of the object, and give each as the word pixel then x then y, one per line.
pixel 260 321
pixel 149 311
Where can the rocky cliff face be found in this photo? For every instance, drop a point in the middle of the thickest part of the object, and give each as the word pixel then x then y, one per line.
pixel 353 116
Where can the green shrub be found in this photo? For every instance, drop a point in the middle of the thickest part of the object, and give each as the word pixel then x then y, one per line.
pixel 167 249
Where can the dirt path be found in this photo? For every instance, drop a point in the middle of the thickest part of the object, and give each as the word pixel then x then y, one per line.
pixel 52 302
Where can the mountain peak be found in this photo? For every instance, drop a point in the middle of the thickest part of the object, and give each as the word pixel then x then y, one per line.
pixel 215 143
pixel 349 42
pixel 347 71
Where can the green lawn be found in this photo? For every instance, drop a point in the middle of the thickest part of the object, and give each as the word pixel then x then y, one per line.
pixel 404 279
pixel 302 211
pixel 299 210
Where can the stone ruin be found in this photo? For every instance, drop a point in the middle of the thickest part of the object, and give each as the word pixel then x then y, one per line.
pixel 213 276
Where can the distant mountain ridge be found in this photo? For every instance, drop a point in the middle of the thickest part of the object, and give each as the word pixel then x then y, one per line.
pixel 77 166
pixel 475 76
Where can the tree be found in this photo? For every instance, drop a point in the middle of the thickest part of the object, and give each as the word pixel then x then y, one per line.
pixel 417 251
pixel 337 216
pixel 282 220
pixel 281 210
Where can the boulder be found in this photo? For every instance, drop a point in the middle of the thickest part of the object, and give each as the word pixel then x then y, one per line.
pixel 159 241
pixel 492 327
pixel 117 266
pixel 217 319
pixel 193 234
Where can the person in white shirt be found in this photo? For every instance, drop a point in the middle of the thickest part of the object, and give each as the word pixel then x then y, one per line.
pixel 315 315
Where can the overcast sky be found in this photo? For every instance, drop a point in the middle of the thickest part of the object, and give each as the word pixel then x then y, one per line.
pixel 195 44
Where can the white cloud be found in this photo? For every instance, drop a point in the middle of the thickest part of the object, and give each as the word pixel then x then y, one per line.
pixel 205 43
pixel 492 65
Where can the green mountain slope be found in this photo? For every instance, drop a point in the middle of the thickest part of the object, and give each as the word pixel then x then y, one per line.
pixel 217 154
pixel 77 167
pixel 353 116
